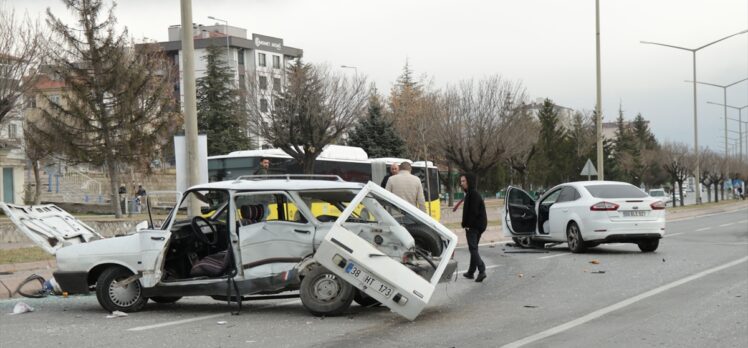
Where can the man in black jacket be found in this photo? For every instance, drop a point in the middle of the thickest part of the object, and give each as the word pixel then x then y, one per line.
pixel 474 222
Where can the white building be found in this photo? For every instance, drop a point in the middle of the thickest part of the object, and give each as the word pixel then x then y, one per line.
pixel 12 157
pixel 261 59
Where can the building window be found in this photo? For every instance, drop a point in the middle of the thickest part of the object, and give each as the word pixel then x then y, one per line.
pixel 263 83
pixel 261 59
pixel 263 105
pixel 276 84
pixel 276 62
pixel 240 56
pixel 54 98
pixel 12 131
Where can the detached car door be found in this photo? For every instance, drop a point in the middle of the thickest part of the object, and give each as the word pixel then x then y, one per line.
pixel 520 216
pixel 50 227
pixel 385 279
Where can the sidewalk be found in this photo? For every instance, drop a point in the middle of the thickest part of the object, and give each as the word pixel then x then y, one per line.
pixel 13 274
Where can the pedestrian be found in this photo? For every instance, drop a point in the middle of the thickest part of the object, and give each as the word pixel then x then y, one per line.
pixel 264 166
pixel 407 186
pixel 139 197
pixel 740 192
pixel 474 222
pixel 394 169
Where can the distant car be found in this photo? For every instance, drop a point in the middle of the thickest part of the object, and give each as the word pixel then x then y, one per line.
pixel 661 195
pixel 332 241
pixel 585 214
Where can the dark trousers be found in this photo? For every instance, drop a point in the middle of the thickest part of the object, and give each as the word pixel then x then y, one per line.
pixel 473 237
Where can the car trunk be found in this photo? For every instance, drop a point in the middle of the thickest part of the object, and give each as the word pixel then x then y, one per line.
pixel 630 210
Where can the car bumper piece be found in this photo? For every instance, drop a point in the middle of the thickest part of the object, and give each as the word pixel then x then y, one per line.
pixel 72 282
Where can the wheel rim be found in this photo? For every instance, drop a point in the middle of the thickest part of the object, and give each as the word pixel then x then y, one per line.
pixel 573 236
pixel 326 288
pixel 124 295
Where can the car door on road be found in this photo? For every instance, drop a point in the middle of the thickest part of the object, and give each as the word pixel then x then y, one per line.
pixel 384 278
pixel 562 211
pixel 520 217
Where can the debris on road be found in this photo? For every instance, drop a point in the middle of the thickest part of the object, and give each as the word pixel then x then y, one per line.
pixel 21 307
pixel 222 322
pixel 520 275
pixel 598 272
pixel 595 262
pixel 116 314
pixel 530 306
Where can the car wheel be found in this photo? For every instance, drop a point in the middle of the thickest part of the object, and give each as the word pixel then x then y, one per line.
pixel 114 296
pixel 574 238
pixel 166 299
pixel 324 293
pixel 648 245
pixel 365 300
pixel 426 240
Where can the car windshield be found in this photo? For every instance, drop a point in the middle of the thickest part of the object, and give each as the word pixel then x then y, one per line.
pixel 657 193
pixel 615 191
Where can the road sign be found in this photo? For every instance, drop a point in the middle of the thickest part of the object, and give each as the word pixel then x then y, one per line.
pixel 588 169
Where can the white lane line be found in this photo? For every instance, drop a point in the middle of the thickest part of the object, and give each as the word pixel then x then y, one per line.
pixel 704 229
pixel 552 256
pixel 600 312
pixel 485 244
pixel 673 234
pixel 184 321
pixel 742 221
pixel 725 225
pixel 487 267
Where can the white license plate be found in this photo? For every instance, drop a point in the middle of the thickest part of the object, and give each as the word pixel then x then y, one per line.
pixel 368 281
pixel 634 213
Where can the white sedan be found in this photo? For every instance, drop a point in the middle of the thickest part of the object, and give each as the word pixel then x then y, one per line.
pixel 585 214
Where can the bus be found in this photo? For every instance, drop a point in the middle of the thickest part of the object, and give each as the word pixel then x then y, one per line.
pixel 350 163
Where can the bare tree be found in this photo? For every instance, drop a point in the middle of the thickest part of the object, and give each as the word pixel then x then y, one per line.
pixel 678 162
pixel 38 148
pixel 476 117
pixel 520 142
pixel 315 109
pixel 21 48
pixel 118 107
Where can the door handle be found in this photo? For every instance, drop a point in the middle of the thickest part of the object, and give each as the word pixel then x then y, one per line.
pixel 157 238
pixel 301 231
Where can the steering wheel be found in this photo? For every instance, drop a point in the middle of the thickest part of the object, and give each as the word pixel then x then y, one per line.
pixel 198 231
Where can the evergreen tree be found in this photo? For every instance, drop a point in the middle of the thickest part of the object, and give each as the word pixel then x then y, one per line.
pixel 642 134
pixel 552 155
pixel 220 112
pixel 375 134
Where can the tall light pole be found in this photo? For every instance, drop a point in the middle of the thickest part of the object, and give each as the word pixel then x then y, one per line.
pixel 190 101
pixel 695 113
pixel 355 69
pixel 724 98
pixel 226 32
pixel 598 107
pixel 740 123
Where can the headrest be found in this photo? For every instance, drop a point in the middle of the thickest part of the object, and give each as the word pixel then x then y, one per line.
pixel 252 212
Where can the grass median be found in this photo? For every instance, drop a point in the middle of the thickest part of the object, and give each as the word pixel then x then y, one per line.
pixel 22 255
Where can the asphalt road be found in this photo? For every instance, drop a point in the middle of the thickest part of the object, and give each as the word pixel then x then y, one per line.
pixel 692 292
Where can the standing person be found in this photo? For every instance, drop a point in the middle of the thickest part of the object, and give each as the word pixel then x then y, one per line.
pixel 474 222
pixel 407 186
pixel 264 166
pixel 394 169
pixel 139 196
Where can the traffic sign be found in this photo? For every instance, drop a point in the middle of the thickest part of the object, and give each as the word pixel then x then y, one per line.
pixel 589 169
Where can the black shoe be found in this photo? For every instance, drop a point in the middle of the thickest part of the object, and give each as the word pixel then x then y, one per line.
pixel 480 277
pixel 468 275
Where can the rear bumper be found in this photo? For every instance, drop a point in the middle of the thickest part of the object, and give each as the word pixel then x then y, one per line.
pixel 72 282
pixel 631 237
pixel 608 232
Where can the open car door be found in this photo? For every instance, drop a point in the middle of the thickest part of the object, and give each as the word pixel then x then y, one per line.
pixel 50 227
pixel 520 217
pixel 385 279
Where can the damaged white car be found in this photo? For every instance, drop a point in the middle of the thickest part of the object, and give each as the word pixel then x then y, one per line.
pixel 257 237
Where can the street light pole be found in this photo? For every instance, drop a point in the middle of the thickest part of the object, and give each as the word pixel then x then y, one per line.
pixel 740 123
pixel 724 91
pixel 190 102
pixel 355 69
pixel 225 32
pixel 598 107
pixel 693 51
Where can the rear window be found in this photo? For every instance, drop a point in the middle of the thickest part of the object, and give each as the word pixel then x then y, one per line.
pixel 615 191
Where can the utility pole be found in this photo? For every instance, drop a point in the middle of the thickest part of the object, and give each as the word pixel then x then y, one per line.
pixel 190 101
pixel 598 108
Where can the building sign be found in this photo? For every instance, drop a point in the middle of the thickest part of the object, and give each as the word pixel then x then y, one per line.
pixel 268 43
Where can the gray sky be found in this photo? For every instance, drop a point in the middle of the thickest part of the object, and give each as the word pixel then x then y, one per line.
pixel 547 44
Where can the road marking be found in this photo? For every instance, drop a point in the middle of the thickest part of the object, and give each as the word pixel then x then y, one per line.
pixel 485 244
pixel 552 256
pixel 487 267
pixel 673 234
pixel 742 221
pixel 725 225
pixel 704 229
pixel 184 321
pixel 600 312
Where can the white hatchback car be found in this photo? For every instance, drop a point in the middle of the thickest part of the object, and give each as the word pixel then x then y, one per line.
pixel 332 241
pixel 585 214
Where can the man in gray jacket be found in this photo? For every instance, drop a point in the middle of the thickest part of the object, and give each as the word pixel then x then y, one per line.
pixel 407 186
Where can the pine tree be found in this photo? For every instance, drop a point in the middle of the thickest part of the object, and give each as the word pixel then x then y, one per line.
pixel 219 107
pixel 375 134
pixel 117 108
pixel 551 145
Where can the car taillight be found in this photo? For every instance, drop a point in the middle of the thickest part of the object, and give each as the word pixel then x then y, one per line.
pixel 659 205
pixel 604 206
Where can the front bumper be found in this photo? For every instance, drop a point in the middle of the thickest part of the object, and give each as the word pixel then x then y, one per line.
pixel 72 282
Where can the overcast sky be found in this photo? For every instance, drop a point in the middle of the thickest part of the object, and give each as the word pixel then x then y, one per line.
pixel 548 45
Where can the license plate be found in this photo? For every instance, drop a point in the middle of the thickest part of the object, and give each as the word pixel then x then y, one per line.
pixel 634 213
pixel 367 280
